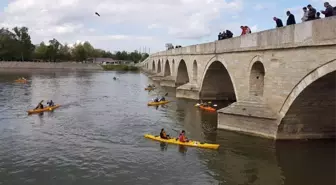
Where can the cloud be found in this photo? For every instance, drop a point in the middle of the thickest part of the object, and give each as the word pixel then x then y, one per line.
pixel 72 20
pixel 254 28
pixel 258 7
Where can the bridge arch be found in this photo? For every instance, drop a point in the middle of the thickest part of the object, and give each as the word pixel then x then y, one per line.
pixel 153 66
pixel 309 110
pixel 166 69
pixel 217 83
pixel 195 72
pixel 159 67
pixel 182 76
pixel 257 76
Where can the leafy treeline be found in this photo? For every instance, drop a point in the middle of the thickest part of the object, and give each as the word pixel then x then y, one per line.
pixel 16 45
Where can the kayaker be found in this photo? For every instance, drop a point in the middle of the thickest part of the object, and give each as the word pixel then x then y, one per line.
pixel 156 99
pixel 162 98
pixel 182 137
pixel 40 105
pixel 50 103
pixel 163 134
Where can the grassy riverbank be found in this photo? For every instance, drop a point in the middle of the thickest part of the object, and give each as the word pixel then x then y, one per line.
pixel 119 68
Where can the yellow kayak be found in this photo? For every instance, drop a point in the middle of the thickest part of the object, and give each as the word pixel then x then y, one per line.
pixel 149 88
pixel 21 81
pixel 158 103
pixel 177 142
pixel 35 111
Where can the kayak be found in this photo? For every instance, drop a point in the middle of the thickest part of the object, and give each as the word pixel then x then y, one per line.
pixel 149 88
pixel 21 81
pixel 35 111
pixel 207 108
pixel 177 142
pixel 158 103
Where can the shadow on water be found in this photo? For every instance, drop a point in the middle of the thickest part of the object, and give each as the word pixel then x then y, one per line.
pixel 307 162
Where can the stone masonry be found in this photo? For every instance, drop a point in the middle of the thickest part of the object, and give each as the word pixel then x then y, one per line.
pixel 280 79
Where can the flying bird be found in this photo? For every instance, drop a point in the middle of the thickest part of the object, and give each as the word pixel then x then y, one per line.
pixel 97 14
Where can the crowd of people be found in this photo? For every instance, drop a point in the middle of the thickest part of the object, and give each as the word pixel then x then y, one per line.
pixel 309 13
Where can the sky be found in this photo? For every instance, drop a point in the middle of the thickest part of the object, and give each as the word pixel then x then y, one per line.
pixel 138 24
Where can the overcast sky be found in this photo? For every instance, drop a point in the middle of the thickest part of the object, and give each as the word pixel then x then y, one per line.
pixel 131 24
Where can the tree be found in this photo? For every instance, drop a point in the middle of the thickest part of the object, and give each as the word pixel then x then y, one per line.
pixel 25 46
pixel 53 50
pixel 41 51
pixel 17 45
pixel 65 53
pixel 8 45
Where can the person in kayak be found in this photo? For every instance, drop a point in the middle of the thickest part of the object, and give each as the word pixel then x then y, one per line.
pixel 164 135
pixel 40 105
pixel 162 98
pixel 182 137
pixel 50 103
pixel 156 99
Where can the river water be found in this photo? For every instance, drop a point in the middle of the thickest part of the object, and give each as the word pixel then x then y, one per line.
pixel 96 137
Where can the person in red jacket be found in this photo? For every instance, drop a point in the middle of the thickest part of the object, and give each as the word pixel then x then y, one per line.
pixel 244 30
pixel 182 137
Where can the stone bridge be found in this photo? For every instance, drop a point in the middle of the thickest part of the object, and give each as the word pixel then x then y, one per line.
pixel 282 81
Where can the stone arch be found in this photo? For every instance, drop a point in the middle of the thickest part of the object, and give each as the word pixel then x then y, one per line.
pixel 159 67
pixel 195 72
pixel 153 66
pixel 217 83
pixel 182 76
pixel 167 69
pixel 257 76
pixel 309 110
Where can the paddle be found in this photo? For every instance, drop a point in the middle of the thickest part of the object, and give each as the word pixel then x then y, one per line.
pixel 39 104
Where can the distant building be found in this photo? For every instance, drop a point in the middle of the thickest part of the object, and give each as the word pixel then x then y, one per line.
pixel 110 61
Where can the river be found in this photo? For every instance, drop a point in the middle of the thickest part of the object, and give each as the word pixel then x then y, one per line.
pixel 96 137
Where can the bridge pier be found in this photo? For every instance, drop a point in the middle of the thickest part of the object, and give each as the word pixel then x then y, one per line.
pixel 189 91
pixel 167 81
pixel 250 116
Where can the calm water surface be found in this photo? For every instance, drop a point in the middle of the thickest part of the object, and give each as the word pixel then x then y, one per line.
pixel 96 137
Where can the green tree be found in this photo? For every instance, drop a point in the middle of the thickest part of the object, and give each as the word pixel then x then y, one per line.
pixel 8 45
pixel 25 46
pixel 17 45
pixel 53 50
pixel 41 51
pixel 65 53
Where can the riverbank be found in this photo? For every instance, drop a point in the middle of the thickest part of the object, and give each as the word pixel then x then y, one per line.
pixel 49 65
pixel 119 68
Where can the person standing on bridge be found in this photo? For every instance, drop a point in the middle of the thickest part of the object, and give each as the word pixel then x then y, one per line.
pixel 291 18
pixel 329 11
pixel 305 14
pixel 278 22
pixel 311 12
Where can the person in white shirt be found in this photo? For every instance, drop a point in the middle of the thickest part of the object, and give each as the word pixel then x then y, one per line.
pixel 305 14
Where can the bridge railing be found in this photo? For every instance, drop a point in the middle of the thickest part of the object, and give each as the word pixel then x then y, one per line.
pixel 310 33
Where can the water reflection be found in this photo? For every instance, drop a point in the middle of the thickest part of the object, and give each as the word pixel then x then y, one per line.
pixel 307 162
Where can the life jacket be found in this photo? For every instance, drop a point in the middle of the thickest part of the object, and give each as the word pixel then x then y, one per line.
pixel 181 138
